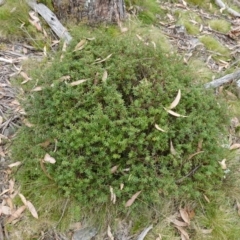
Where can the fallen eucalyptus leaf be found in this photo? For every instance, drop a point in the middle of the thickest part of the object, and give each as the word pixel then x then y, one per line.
pixel 105 75
pixel 174 113
pixel 80 45
pixel 5 210
pixel 172 149
pixel 184 215
pixel 132 199
pixel 37 89
pixel 184 234
pixel 16 214
pixel 179 223
pixel 158 128
pixel 144 233
pixel 176 100
pixel 103 60
pixel 235 146
pixel 109 233
pixel 114 169
pixel 24 200
pixel 32 209
pixel 78 82
pixel 113 195
pixel 48 158
pixel 223 164
pixel 14 164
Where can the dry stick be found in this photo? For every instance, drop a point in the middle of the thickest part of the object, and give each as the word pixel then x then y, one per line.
pixel 224 6
pixel 225 79
pixel 51 19
pixel 144 233
pixel 2 2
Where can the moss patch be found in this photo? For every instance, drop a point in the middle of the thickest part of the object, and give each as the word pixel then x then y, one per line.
pixel 220 25
pixel 214 45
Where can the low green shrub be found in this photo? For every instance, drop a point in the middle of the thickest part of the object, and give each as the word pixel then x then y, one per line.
pixel 107 123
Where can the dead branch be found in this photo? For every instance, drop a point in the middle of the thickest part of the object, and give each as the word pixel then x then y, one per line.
pixel 2 2
pixel 223 80
pixel 51 19
pixel 224 6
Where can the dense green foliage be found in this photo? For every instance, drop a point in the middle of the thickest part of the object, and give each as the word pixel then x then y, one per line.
pixel 101 124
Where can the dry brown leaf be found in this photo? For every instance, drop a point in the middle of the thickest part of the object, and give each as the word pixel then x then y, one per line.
pixel 78 82
pixel 5 210
pixel 231 95
pixel 191 213
pixel 114 169
pixel 16 214
pixel 194 154
pixel 32 209
pixel 14 164
pixel 24 200
pixel 140 38
pixel 64 78
pixel 37 25
pixel 199 147
pixel 5 191
pixel 206 231
pixel 176 100
pixel 32 14
pixel 75 226
pixel 109 233
pixel 11 186
pixel 37 89
pixel 27 123
pixel 44 169
pixel 179 223
pixel 154 44
pixel 105 75
pixel 184 234
pixel 172 149
pixel 159 237
pixel 184 215
pixel 123 29
pixel 113 195
pixel 223 164
pixel 25 76
pixel 171 18
pixel 132 199
pixel 206 198
pixel 9 202
pixel 80 45
pixel 45 144
pixel 103 60
pixel 158 128
pixel 235 146
pixel 48 158
pixel 238 207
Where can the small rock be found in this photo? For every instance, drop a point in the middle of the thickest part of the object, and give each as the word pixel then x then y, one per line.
pixel 84 234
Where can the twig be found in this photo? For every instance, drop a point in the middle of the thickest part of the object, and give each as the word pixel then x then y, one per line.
pixel 51 19
pixel 224 6
pixel 226 79
pixel 189 174
pixel 144 233
pixel 64 209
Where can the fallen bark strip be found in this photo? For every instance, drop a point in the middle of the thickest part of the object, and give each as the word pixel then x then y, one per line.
pixel 225 79
pixel 224 6
pixel 51 19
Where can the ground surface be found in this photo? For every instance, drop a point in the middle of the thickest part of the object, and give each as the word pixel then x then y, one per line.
pixel 209 63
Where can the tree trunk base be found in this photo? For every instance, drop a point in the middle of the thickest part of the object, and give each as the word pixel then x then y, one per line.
pixel 91 11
